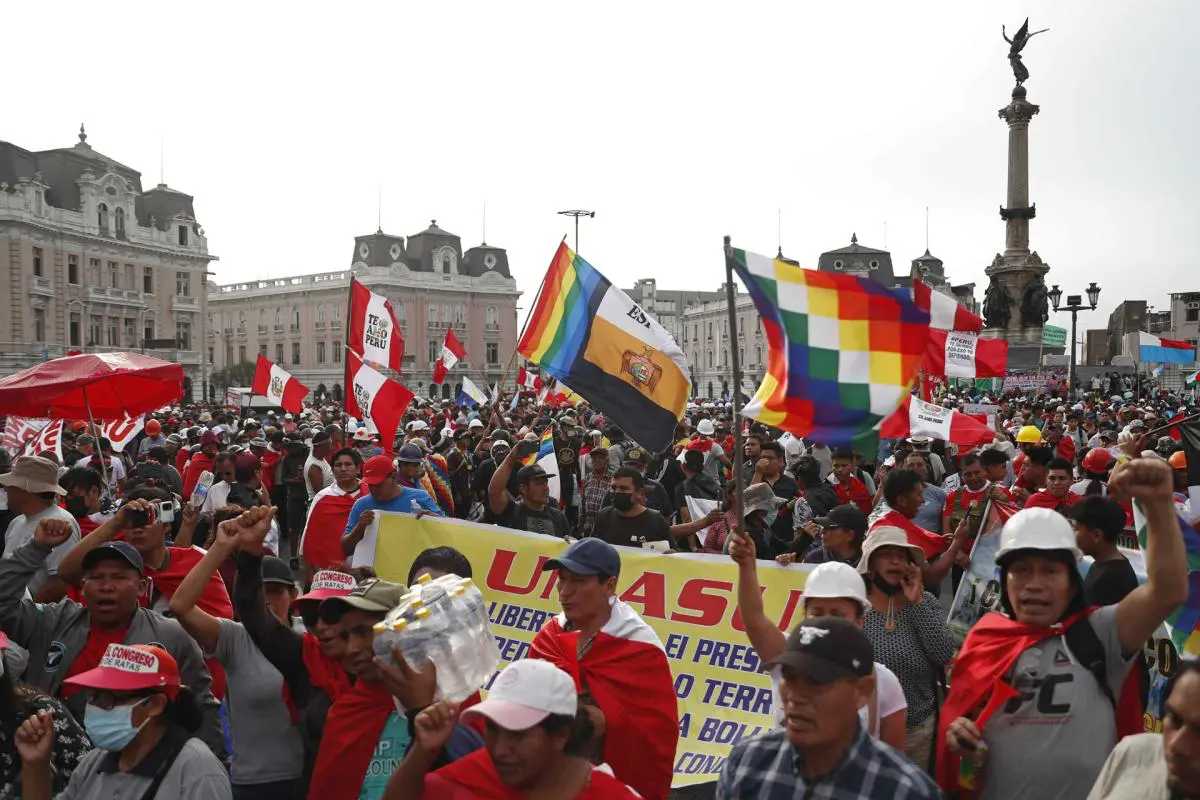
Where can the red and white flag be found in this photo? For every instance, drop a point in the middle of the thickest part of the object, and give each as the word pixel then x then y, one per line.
pixel 528 380
pixel 962 354
pixel 373 397
pixel 277 385
pixel 19 430
pixel 945 313
pixel 121 431
pixel 452 353
pixel 374 331
pixel 48 438
pixel 918 418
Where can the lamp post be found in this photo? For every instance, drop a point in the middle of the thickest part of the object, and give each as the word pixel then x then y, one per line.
pixel 577 213
pixel 1074 306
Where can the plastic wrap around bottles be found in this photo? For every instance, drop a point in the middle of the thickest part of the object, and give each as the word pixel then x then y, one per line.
pixel 444 621
pixel 203 485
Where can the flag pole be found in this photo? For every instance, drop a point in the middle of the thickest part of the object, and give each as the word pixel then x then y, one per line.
pixel 521 335
pixel 739 479
pixel 346 387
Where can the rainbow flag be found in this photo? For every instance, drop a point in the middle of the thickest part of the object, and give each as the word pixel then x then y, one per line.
pixel 547 458
pixel 844 351
pixel 591 336
pixel 1184 622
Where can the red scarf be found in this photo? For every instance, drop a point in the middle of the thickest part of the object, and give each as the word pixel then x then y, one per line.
pixel 631 682
pixel 931 544
pixel 852 490
pixel 474 777
pixel 352 730
pixel 323 673
pixel 269 460
pixel 703 445
pixel 988 654
pixel 321 545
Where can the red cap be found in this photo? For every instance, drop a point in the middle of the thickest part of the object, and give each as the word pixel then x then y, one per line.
pixel 329 583
pixel 377 469
pixel 153 427
pixel 78 425
pixel 129 668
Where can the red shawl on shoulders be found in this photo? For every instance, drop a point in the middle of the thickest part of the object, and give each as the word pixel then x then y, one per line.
pixel 474 778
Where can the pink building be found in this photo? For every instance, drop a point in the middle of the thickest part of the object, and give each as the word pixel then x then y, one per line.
pixel 300 322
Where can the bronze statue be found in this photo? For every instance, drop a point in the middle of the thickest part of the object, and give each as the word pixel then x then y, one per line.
pixel 1035 305
pixel 995 305
pixel 1016 45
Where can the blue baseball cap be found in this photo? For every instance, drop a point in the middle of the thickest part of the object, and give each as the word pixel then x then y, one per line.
pixel 110 550
pixel 588 557
pixel 410 454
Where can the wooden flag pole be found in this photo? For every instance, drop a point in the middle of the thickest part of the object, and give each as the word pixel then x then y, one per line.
pixel 739 479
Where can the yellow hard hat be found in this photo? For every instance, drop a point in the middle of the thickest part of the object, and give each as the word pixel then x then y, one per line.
pixel 1029 435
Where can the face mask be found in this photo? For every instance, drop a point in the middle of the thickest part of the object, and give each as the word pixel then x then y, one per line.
pixel 77 506
pixel 769 517
pixel 622 501
pixel 112 729
pixel 887 588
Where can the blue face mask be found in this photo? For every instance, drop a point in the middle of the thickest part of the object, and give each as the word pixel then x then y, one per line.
pixel 769 517
pixel 112 729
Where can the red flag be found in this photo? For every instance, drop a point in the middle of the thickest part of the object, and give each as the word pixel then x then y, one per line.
pixel 961 354
pixel 945 313
pixel 370 396
pixel 917 418
pixel 278 386
pixel 452 353
pixel 374 331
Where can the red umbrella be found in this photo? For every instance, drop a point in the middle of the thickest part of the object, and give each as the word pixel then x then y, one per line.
pixel 94 385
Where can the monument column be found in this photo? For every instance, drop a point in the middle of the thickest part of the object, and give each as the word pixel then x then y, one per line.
pixel 1018 211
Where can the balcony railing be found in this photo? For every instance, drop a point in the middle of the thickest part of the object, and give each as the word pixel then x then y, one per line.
pixel 185 302
pixel 43 285
pixel 113 294
pixel 319 326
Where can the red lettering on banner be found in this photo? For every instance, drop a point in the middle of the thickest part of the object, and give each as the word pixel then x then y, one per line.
pixel 737 622
pixel 550 584
pixel 789 610
pixel 497 577
pixel 650 592
pixel 710 608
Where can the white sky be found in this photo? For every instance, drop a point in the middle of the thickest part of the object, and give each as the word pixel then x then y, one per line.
pixel 676 122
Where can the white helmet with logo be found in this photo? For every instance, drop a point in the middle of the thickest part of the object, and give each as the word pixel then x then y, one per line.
pixel 834 579
pixel 1037 529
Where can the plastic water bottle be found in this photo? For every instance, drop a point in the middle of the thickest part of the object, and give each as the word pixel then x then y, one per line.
pixel 200 493
pixel 414 506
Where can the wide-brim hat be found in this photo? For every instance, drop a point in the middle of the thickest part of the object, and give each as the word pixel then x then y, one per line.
pixel 888 536
pixel 34 474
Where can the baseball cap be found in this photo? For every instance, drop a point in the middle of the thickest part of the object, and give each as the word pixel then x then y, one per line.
pixel 525 693
pixel 377 470
pixel 129 668
pixel 418 425
pixel 329 583
pixel 109 550
pixel 637 456
pixel 276 570
pixel 827 649
pixel 410 454
pixel 845 516
pixel 208 437
pixel 588 557
pixel 371 595
pixel 532 472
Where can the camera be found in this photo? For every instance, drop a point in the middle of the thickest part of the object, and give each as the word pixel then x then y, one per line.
pixel 160 511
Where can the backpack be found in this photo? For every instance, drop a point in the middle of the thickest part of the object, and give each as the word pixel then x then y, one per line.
pixel 1084 644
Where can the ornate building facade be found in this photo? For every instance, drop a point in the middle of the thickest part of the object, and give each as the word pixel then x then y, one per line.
pixel 93 263
pixel 433 284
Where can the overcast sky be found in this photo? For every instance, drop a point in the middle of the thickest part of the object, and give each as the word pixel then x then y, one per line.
pixel 676 122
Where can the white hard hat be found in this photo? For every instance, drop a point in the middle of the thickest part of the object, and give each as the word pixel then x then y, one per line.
pixel 835 579
pixel 705 427
pixel 1037 529
pixel 418 425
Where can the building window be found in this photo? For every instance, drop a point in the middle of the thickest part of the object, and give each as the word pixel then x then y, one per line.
pixel 337 313
pixel 399 309
pixel 73 270
pixel 183 284
pixel 130 279
pixel 94 271
pixel 493 353
pixel 433 312
pixel 279 354
pixel 710 366
pixel 183 235
pixel 459 314
pixel 446 313
pixel 119 222
pixel 710 330
pixel 262 320
pixel 279 319
pixel 724 358
pixel 211 354
pixel 757 324
pixel 112 340
pixel 37 262
pixel 295 318
pixel 435 350
pixel 39 324
pixel 695 332
pixel 241 354
pixel 492 316
pixel 94 333
pixel 262 350
pixel 73 331
pixel 838 264
pixel 183 335
pixel 102 219
pixel 321 314
pixel 758 355
pixel 148 280
pixel 1193 312
pixel 242 321
pixel 320 352
pixel 148 332
pixel 337 352
pixel 130 332
pixel 873 264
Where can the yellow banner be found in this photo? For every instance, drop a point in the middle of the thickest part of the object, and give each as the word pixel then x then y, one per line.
pixel 689 600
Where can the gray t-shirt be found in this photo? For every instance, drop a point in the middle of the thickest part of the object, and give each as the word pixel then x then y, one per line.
pixel 196 774
pixel 266 744
pixel 1051 741
pixel 21 530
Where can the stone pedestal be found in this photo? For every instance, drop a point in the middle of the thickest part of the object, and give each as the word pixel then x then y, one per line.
pixel 1015 302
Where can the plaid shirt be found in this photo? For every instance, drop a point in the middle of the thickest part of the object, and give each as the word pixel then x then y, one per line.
pixel 594 488
pixel 768 767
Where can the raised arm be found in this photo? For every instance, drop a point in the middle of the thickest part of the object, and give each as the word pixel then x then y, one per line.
pixel 202 626
pixel 1149 482
pixel 686 529
pixel 765 637
pixel 70 569
pixel 498 499
pixel 20 617
pixel 187 528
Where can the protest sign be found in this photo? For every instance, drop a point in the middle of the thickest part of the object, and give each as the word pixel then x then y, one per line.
pixel 19 430
pixel 984 411
pixel 689 600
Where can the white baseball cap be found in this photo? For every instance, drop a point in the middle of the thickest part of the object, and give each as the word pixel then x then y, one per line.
pixel 475 423
pixel 418 425
pixel 834 579
pixel 525 693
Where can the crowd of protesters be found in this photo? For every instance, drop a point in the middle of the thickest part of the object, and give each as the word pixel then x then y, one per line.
pixel 181 619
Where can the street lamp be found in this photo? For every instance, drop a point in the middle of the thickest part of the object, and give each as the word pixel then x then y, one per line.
pixel 577 213
pixel 1074 306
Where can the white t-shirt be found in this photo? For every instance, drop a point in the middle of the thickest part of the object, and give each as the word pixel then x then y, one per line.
pixel 889 698
pixel 326 474
pixel 217 495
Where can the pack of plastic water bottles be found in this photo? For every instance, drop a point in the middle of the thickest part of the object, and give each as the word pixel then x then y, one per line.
pixel 444 621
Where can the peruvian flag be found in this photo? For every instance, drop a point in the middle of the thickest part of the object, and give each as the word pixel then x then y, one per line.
pixel 374 332
pixel 277 385
pixel 370 396
pixel 627 674
pixel 448 427
pixel 963 354
pixel 945 313
pixel 918 418
pixel 452 353
pixel 528 380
